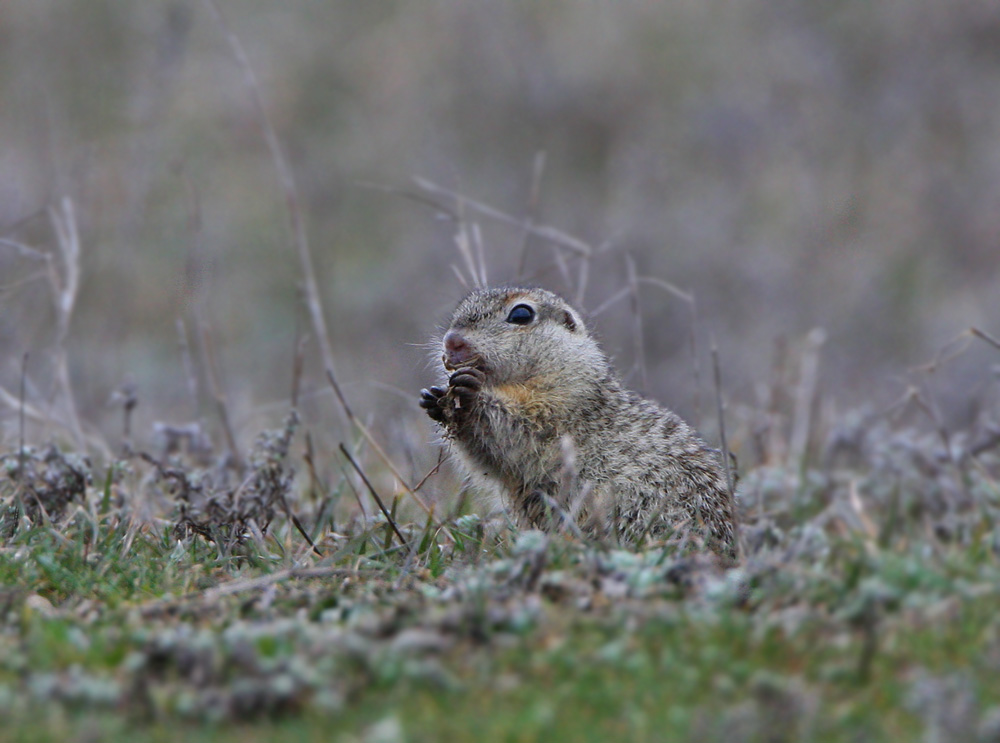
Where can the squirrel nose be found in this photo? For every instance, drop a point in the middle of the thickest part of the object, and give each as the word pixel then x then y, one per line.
pixel 457 350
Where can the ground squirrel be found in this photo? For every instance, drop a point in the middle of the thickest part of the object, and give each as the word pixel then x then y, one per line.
pixel 535 414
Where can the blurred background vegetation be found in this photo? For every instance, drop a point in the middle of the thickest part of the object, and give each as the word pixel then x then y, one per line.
pixel 792 165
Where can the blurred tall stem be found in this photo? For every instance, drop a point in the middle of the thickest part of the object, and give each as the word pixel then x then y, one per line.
pixel 65 285
pixel 288 187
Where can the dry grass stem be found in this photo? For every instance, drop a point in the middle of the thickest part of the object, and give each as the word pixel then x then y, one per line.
pixel 464 244
pixel 374 494
pixel 689 300
pixel 611 301
pixel 430 473
pixel 945 355
pixel 20 415
pixel 550 234
pixel 637 334
pixel 207 347
pixel 983 335
pixel 672 289
pixel 582 281
pixel 298 365
pixel 287 181
pixel 477 241
pixel 23 250
pixel 531 212
pixel 65 284
pixel 190 375
pixel 720 406
pixel 805 397
pixel 373 442
pixel 562 264
pixel 461 278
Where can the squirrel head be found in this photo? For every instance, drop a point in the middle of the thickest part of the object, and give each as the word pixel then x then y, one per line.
pixel 522 336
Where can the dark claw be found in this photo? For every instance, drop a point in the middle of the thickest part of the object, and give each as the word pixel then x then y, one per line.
pixel 432 394
pixel 466 381
pixel 430 400
pixel 467 377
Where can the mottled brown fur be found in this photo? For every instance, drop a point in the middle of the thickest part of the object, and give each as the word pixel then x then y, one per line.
pixel 534 414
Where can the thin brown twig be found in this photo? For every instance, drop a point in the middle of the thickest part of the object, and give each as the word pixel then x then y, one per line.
pixel 356 492
pixel 443 209
pixel 990 441
pixel 962 341
pixel 191 377
pixel 637 334
pixel 582 279
pixel 560 261
pixel 610 302
pixel 695 361
pixel 23 250
pixel 727 465
pixel 805 397
pixel 288 186
pixel 65 287
pixel 315 485
pixel 31 278
pixel 298 525
pixel 563 263
pixel 463 244
pixel 461 277
pixel 773 439
pixel 433 471
pixel 667 287
pixel 984 336
pixel 689 299
pixel 929 406
pixel 20 416
pixel 374 494
pixel 363 429
pixel 480 246
pixel 945 355
pixel 194 294
pixel 340 397
pixel 531 212
pixel 20 222
pixel 550 234
pixel 207 347
pixel 30 411
pixel 558 238
pixel 298 364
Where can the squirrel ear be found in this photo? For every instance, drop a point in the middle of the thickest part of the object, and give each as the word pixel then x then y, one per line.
pixel 569 321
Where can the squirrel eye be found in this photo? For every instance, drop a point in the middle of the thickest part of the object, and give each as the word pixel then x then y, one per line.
pixel 522 314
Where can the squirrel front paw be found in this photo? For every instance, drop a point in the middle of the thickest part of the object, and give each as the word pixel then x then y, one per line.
pixel 448 405
pixel 464 386
pixel 430 401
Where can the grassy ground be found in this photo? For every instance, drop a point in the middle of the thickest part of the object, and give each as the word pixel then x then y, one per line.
pixel 866 608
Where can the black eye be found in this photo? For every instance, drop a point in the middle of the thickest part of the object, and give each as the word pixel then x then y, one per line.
pixel 522 314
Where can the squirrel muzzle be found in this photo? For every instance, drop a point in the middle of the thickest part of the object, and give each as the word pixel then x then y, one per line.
pixel 458 352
